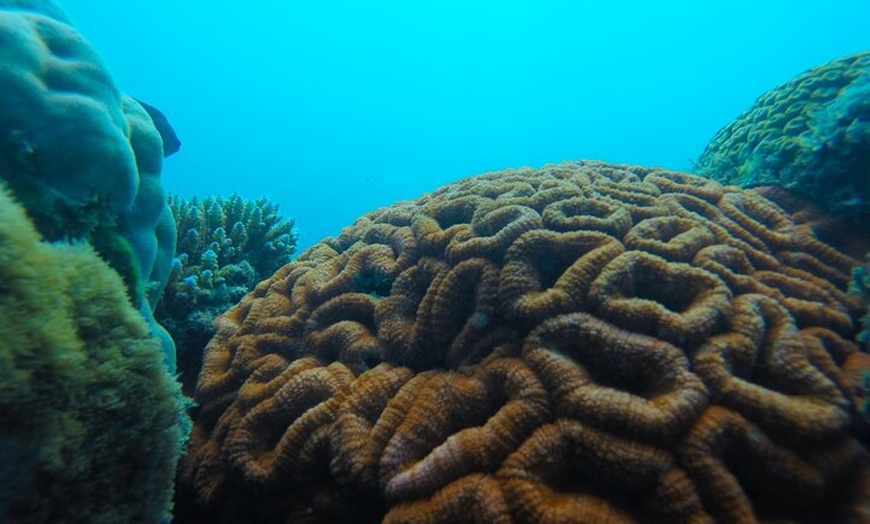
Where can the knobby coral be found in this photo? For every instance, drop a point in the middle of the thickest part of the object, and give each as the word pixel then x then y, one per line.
pixel 225 246
pixel 587 342
pixel 91 423
pixel 810 135
pixel 860 286
pixel 83 158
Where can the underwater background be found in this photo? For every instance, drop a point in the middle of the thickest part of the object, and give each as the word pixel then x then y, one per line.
pixel 596 339
pixel 335 108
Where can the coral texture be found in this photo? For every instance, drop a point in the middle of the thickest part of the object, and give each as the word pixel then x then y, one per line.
pixel 84 159
pixel 860 286
pixel 859 369
pixel 225 246
pixel 91 424
pixel 810 135
pixel 587 343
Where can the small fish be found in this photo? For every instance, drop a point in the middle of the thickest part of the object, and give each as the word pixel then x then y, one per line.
pixel 171 143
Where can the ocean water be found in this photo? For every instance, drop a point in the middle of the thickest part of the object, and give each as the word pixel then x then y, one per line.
pixel 334 108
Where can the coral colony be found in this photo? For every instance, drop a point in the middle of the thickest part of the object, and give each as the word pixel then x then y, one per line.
pixel 585 342
pixel 657 348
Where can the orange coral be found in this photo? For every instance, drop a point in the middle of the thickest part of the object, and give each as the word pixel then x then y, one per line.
pixel 587 342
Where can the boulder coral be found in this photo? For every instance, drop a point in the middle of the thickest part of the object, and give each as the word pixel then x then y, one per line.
pixel 586 342
pixel 91 424
pixel 810 135
pixel 83 158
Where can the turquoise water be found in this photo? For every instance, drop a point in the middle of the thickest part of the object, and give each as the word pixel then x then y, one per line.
pixel 334 108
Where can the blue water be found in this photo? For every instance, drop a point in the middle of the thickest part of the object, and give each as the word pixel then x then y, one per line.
pixel 334 108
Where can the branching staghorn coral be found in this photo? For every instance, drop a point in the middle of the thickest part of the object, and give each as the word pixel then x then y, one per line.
pixel 225 246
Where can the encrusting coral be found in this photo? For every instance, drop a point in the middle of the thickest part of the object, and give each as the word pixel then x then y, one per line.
pixel 226 245
pixel 586 342
pixel 810 135
pixel 83 158
pixel 860 370
pixel 860 286
pixel 91 423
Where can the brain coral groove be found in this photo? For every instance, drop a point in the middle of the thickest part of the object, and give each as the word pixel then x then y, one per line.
pixel 586 342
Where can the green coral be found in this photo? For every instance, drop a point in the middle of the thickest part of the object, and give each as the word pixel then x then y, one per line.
pixel 810 135
pixel 91 423
pixel 225 246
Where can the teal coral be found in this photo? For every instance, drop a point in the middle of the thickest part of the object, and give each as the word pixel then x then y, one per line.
pixel 91 424
pixel 810 135
pixel 82 157
pixel 225 247
pixel 860 285
pixel 859 366
pixel 237 230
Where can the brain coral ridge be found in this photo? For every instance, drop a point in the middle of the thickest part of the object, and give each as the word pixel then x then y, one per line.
pixel 586 342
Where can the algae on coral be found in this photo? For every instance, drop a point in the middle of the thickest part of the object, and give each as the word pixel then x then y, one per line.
pixel 91 423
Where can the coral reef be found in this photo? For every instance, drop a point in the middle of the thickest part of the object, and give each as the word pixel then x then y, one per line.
pixel 225 246
pixel 586 342
pixel 860 286
pixel 810 135
pixel 860 370
pixel 91 423
pixel 83 158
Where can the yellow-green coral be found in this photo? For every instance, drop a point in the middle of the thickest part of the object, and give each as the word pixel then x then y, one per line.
pixel 810 135
pixel 91 424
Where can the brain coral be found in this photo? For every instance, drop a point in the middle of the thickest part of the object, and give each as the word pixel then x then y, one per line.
pixel 582 343
pixel 810 135
pixel 91 424
pixel 84 159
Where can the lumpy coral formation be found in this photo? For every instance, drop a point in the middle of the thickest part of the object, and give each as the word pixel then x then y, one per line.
pixel 582 343
pixel 83 158
pixel 810 135
pixel 225 246
pixel 860 286
pixel 91 424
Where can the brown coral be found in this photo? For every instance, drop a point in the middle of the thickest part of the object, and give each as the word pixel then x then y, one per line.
pixel 582 343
